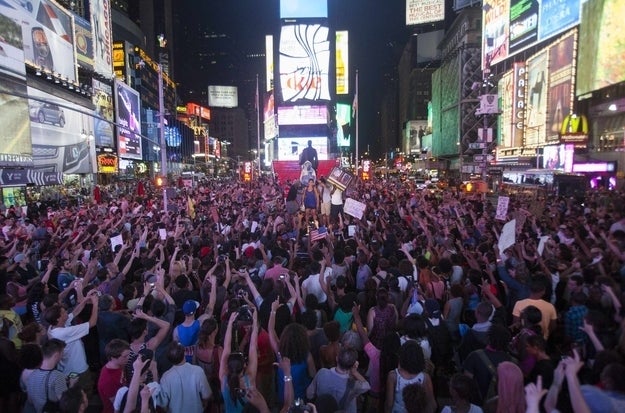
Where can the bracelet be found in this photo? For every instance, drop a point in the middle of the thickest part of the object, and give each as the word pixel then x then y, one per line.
pixel 288 379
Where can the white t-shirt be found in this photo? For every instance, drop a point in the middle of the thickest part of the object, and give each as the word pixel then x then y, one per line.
pixel 74 359
pixel 337 197
pixel 312 286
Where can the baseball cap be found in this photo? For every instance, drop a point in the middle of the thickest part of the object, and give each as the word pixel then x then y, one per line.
pixel 190 307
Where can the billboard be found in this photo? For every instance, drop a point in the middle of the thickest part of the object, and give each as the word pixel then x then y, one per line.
pixel 128 107
pixel 302 115
pixel 537 77
pixel 47 35
pixel 269 117
pixel 343 125
pixel 601 45
pixel 120 61
pixel 102 36
pixel 559 157
pixel 289 149
pixel 424 11
pixel 342 62
pixel 102 98
pixel 519 103
pixel 296 9
pixel 505 87
pixel 223 97
pixel 427 46
pixel 304 60
pixel 84 43
pixel 269 62
pixel 561 82
pixel 510 26
pixel 60 134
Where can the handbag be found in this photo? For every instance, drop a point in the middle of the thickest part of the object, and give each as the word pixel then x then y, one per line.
pixel 50 406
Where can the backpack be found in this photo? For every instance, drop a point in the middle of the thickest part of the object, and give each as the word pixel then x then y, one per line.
pixel 440 341
pixel 492 386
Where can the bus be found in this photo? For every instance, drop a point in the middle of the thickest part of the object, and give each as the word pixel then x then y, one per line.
pixel 544 182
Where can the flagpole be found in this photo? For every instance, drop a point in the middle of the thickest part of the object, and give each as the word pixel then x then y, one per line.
pixel 258 126
pixel 357 115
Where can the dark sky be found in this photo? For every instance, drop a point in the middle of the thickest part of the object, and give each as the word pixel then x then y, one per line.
pixel 376 30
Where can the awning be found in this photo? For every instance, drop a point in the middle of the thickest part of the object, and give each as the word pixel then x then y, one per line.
pixel 23 177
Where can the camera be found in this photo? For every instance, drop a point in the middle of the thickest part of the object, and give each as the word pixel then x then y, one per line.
pixel 240 393
pixel 222 257
pixel 299 406
pixel 244 314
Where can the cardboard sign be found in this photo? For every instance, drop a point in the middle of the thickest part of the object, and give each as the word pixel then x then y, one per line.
pixel 354 208
pixel 508 236
pixel 502 208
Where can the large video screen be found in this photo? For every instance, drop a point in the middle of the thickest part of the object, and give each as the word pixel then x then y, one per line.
pixel 47 35
pixel 102 98
pixel 304 61
pixel 601 45
pixel 302 115
pixel 295 9
pixel 289 149
pixel 510 26
pixel 558 157
pixel 343 125
pixel 537 82
pixel 424 11
pixel 128 107
pixel 60 134
pixel 561 79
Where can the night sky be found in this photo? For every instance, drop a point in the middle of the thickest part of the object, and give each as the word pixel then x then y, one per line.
pixel 377 34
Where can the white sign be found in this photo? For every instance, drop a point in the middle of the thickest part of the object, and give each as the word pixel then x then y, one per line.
pixel 477 145
pixel 488 105
pixel 354 208
pixel 508 236
pixel 115 241
pixel 541 244
pixel 223 97
pixel 502 208
pixel 424 11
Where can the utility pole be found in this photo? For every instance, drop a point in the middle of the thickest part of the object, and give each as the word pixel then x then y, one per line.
pixel 161 126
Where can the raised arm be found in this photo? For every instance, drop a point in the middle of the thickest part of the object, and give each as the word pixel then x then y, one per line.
pixel 163 329
pixel 252 357
pixel 271 327
pixel 225 354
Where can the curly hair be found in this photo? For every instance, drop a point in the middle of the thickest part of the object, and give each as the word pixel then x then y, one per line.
pixel 294 343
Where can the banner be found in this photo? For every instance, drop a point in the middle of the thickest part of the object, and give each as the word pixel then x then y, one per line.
pixel 354 208
pixel 424 11
pixel 128 107
pixel 84 43
pixel 561 80
pixel 508 236
pixel 102 36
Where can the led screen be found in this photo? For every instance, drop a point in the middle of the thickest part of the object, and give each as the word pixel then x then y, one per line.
pixel 424 11
pixel 302 115
pixel 343 125
pixel 601 45
pixel 289 149
pixel 559 99
pixel 294 9
pixel 558 157
pixel 128 107
pixel 536 99
pixel 304 60
pixel 103 101
pixel 269 62
pixel 505 88
pixel 342 62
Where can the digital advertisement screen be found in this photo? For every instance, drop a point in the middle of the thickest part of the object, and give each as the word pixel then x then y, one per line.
pixel 424 11
pixel 304 61
pixel 60 134
pixel 128 107
pixel 560 99
pixel 295 9
pixel 342 62
pixel 343 125
pixel 511 26
pixel 269 62
pixel 505 88
pixel 289 149
pixel 302 115
pixel 558 157
pixel 601 45
pixel 102 98
pixel 536 99
pixel 84 43
pixel 102 36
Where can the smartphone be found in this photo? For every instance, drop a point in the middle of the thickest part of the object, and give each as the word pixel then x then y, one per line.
pixel 72 375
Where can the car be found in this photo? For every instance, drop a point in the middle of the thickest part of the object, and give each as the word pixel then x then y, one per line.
pixel 48 112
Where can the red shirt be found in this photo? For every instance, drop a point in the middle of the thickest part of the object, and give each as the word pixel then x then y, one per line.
pixel 109 382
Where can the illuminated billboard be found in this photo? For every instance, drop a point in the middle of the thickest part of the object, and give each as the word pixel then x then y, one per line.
pixel 505 87
pixel 424 11
pixel 269 117
pixel 223 96
pixel 289 149
pixel 343 125
pixel 120 61
pixel 84 43
pixel 510 26
pixel 302 115
pixel 558 157
pixel 296 9
pixel 269 62
pixel 561 79
pixel 128 107
pixel 519 103
pixel 342 62
pixel 102 36
pixel 60 134
pixel 102 98
pixel 47 36
pixel 601 45
pixel 304 60
pixel 537 77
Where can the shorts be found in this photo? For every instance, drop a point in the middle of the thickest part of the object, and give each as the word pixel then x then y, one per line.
pixel 325 208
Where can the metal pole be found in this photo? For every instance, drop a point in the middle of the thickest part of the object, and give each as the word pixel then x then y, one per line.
pixel 161 125
pixel 484 139
pixel 357 115
pixel 258 125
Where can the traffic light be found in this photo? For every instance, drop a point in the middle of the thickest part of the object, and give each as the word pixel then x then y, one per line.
pixel 160 181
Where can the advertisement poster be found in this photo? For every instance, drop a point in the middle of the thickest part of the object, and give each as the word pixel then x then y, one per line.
pixel 506 95
pixel 561 81
pixel 343 125
pixel 495 31
pixel 557 16
pixel 424 11
pixel 304 60
pixel 523 24
pixel 102 36
pixel 84 43
pixel 60 134
pixel 128 107
pixel 536 99
pixel 103 100
pixel 289 149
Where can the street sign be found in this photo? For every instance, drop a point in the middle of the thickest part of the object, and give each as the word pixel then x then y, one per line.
pixel 477 145
pixel 482 158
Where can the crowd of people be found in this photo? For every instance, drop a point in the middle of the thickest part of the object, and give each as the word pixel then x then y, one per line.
pixel 233 297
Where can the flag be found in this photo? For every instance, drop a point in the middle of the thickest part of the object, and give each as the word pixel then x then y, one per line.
pixel 355 105
pixel 318 233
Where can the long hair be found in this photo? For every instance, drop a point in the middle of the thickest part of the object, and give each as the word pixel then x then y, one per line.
pixel 207 328
pixel 236 366
pixel 510 388
pixel 294 343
